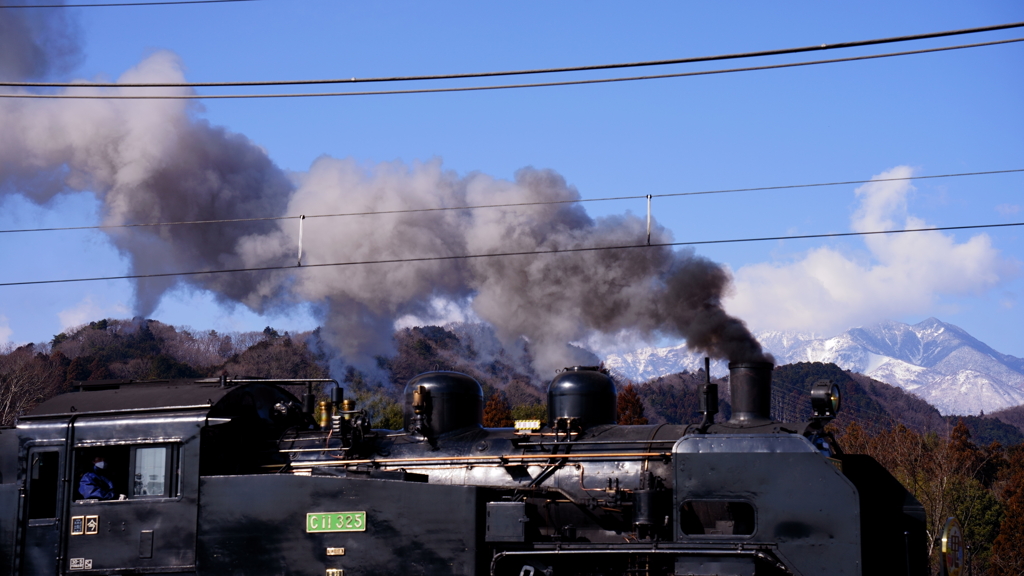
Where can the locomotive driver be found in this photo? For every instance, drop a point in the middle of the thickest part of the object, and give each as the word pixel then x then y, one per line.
pixel 96 486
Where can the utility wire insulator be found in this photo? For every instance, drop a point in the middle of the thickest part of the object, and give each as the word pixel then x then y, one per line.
pixel 302 218
pixel 648 219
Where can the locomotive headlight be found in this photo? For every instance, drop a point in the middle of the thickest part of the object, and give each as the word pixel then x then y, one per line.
pixel 825 399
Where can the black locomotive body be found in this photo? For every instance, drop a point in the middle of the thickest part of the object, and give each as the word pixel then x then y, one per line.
pixel 223 477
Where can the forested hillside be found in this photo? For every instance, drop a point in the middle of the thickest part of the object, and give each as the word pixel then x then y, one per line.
pixel 146 350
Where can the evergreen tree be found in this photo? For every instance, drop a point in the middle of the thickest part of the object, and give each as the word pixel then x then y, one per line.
pixel 1007 553
pixel 530 412
pixel 630 407
pixel 497 412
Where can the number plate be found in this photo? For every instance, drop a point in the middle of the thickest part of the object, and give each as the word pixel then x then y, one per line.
pixel 336 522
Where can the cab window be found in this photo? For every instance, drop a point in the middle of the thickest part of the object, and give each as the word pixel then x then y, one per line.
pixel 43 479
pixel 105 482
pixel 151 476
pixel 136 471
pixel 717 518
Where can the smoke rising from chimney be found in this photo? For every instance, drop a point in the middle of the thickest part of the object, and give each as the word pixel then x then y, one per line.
pixel 550 299
pixel 156 160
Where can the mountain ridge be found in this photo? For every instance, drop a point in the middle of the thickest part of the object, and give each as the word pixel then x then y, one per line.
pixel 937 361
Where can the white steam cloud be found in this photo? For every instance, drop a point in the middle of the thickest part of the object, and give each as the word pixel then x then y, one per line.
pixel 826 291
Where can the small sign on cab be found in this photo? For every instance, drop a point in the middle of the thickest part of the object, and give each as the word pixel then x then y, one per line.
pixel 336 522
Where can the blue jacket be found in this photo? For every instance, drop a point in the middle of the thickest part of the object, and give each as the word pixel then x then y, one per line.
pixel 95 485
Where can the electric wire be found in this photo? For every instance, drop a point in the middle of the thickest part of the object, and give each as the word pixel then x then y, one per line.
pixel 509 204
pixel 488 87
pixel 786 404
pixel 114 4
pixel 515 253
pixel 794 403
pixel 614 66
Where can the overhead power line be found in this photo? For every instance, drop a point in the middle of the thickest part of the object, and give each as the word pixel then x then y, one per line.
pixel 509 204
pixel 504 254
pixel 26 95
pixel 113 4
pixel 619 65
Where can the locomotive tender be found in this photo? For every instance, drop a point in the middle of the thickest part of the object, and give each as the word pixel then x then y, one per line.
pixel 228 477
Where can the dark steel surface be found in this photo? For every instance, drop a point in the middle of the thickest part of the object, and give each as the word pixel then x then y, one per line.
pixel 170 520
pixel 631 559
pixel 750 386
pixel 715 566
pixel 243 423
pixel 584 393
pixel 40 536
pixel 41 549
pixel 131 397
pixel 257 525
pixel 456 401
pixel 892 520
pixel 8 455
pixel 802 503
pixel 8 526
pixel 506 522
pixel 8 498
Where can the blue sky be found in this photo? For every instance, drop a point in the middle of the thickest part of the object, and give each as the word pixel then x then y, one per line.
pixel 927 114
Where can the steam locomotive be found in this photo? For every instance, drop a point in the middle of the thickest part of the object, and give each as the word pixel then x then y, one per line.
pixel 242 477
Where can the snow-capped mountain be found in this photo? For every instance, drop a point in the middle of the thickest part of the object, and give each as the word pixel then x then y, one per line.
pixel 649 363
pixel 939 362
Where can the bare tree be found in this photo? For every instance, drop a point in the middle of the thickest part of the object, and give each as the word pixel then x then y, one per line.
pixel 245 340
pixel 943 473
pixel 197 349
pixel 26 379
pixel 276 358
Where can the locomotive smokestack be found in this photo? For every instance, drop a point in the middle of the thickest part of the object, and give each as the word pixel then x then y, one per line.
pixel 750 385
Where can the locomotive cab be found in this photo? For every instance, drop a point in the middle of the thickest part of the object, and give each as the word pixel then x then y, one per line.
pixel 110 471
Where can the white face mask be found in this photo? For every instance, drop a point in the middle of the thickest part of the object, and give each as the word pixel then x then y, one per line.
pixel 100 465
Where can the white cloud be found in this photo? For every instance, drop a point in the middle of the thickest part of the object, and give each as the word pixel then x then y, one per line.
pixel 88 310
pixel 5 330
pixel 826 290
pixel 1008 209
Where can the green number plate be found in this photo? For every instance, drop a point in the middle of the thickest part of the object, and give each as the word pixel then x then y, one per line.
pixel 336 522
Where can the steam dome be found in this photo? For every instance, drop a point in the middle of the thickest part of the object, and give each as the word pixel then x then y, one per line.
pixel 585 393
pixel 452 401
